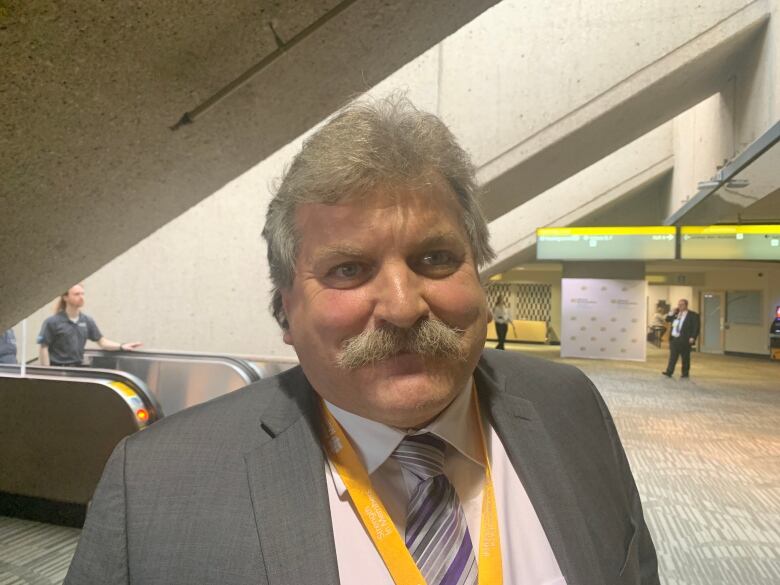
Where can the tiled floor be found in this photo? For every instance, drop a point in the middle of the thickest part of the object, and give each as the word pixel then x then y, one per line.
pixel 33 553
pixel 706 456
pixel 705 453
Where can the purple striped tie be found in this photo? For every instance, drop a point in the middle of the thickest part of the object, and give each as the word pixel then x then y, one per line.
pixel 437 535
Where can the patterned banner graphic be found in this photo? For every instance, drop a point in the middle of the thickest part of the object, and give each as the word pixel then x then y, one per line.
pixel 603 319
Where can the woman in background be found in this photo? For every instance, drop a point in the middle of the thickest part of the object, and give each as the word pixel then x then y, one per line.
pixel 502 317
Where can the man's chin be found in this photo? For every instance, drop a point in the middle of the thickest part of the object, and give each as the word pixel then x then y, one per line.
pixel 403 394
pixel 405 405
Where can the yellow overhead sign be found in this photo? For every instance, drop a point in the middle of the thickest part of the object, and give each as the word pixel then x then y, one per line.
pixel 730 242
pixel 730 229
pixel 607 231
pixel 643 242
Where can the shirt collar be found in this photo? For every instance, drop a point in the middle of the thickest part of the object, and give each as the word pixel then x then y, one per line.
pixel 63 315
pixel 374 442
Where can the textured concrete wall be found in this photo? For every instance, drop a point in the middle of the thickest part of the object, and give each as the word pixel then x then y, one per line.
pixel 201 282
pixel 703 140
pixel 644 206
pixel 583 195
pixel 756 84
pixel 721 127
pixel 578 80
pixel 549 58
pixel 89 92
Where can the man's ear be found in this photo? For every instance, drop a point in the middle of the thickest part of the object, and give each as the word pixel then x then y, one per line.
pixel 286 333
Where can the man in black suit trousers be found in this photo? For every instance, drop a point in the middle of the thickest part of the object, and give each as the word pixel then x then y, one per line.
pixel 685 330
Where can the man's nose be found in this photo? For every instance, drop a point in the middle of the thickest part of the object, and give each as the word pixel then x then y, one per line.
pixel 400 299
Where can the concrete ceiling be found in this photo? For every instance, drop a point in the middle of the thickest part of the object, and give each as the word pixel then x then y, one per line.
pixel 725 202
pixel 89 91
pixel 626 187
pixel 765 210
pixel 653 95
pixel 643 205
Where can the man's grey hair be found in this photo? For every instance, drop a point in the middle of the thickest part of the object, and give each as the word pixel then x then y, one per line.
pixel 369 144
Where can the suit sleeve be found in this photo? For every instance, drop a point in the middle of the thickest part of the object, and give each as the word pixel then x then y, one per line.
pixel 101 556
pixel 647 559
pixel 696 326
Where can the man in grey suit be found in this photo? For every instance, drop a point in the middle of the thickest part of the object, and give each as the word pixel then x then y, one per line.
pixel 400 451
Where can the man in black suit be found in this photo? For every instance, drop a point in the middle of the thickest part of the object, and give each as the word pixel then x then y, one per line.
pixel 685 330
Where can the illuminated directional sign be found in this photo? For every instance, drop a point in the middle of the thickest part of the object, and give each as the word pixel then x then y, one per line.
pixel 606 243
pixel 730 242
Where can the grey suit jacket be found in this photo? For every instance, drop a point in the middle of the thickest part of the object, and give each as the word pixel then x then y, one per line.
pixel 233 491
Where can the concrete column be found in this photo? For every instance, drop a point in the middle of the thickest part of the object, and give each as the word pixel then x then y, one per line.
pixel 703 139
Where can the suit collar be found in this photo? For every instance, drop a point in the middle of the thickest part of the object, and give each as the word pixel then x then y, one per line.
pixel 374 442
pixel 295 399
pixel 286 476
pixel 537 463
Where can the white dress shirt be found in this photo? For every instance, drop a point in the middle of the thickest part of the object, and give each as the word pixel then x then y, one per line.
pixel 527 557
pixel 678 323
pixel 502 315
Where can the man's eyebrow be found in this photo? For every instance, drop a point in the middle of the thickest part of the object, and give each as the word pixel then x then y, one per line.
pixel 338 250
pixel 345 250
pixel 445 237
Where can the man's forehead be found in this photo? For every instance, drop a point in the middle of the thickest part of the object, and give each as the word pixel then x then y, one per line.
pixel 437 202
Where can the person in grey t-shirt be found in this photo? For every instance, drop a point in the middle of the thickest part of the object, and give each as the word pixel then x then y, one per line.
pixel 64 335
pixel 8 347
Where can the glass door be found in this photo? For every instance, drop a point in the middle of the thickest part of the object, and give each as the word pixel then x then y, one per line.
pixel 712 321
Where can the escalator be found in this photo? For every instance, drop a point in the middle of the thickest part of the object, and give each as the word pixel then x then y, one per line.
pixel 60 427
pixel 65 422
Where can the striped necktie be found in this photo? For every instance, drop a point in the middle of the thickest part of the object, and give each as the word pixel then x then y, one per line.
pixel 437 535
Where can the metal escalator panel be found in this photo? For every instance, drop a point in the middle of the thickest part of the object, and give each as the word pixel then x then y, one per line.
pixel 179 380
pixel 268 369
pixel 59 432
pixel 123 379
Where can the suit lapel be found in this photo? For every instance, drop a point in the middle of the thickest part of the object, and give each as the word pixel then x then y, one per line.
pixel 289 494
pixel 537 464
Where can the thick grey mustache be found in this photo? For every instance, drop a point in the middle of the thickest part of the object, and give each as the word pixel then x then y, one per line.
pixel 428 338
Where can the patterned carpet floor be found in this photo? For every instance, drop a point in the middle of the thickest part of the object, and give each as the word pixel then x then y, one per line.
pixel 34 554
pixel 706 456
pixel 705 453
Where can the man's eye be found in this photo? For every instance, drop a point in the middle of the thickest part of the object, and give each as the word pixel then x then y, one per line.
pixel 439 258
pixel 347 275
pixel 350 270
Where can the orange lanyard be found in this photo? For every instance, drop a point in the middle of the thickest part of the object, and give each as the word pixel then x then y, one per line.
pixel 380 526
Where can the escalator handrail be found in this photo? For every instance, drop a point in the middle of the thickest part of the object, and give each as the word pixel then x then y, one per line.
pixel 249 372
pixel 134 382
